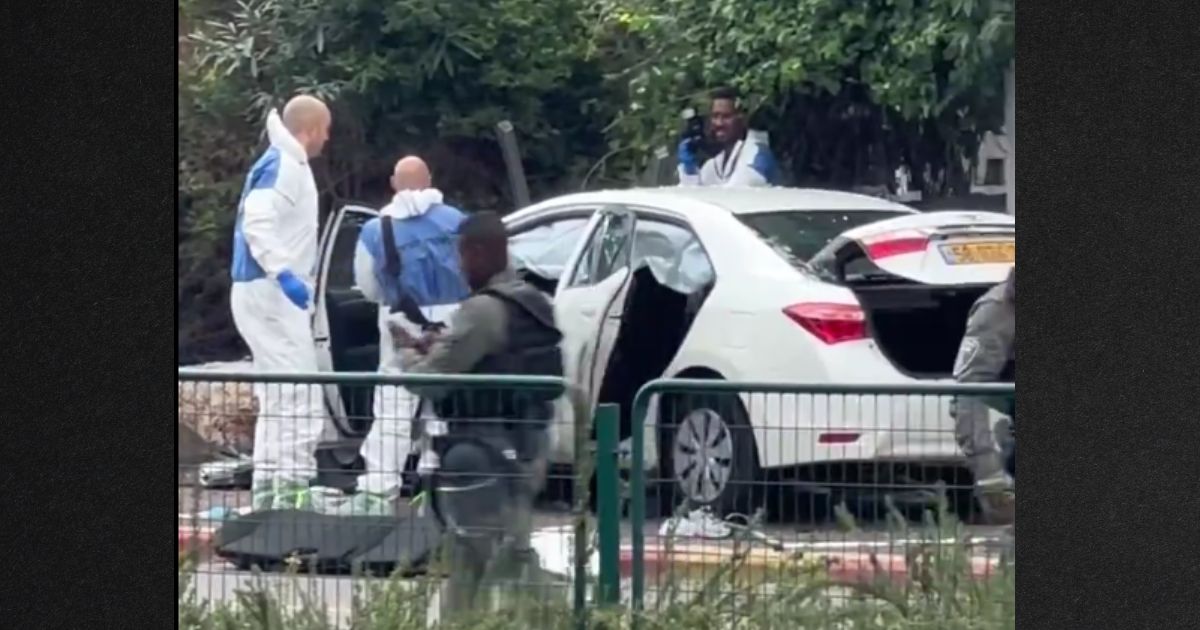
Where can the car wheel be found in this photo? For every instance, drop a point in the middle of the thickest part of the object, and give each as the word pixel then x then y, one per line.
pixel 708 454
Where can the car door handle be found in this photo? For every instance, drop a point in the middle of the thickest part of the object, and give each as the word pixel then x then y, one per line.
pixel 590 312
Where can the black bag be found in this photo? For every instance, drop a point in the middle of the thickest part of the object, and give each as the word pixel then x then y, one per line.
pixel 276 540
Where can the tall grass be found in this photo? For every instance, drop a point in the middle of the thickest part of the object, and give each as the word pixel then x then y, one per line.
pixel 939 594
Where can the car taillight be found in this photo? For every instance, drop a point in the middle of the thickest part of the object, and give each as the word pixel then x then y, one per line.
pixel 895 244
pixel 831 323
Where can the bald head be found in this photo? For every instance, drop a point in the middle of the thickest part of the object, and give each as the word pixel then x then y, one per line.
pixel 308 120
pixel 411 173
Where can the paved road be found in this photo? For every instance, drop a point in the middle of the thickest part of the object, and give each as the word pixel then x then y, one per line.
pixel 193 500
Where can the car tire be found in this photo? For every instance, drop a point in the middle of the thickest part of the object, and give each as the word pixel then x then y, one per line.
pixel 732 459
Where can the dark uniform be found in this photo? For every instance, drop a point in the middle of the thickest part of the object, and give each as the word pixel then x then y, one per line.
pixel 988 355
pixel 494 454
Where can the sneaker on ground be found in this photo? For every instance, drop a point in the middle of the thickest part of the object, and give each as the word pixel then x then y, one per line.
pixel 699 523
pixel 999 482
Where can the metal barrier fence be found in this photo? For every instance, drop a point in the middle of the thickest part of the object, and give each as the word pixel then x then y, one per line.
pixel 345 456
pixel 830 481
pixel 854 482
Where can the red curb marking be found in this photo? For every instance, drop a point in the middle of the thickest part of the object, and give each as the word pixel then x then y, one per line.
pixel 198 539
pixel 854 566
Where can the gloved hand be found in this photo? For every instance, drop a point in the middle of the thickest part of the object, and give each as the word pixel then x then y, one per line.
pixel 687 157
pixel 294 288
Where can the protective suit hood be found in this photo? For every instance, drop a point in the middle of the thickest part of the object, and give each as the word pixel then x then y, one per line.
pixel 412 203
pixel 282 139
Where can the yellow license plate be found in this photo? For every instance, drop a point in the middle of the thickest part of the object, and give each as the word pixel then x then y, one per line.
pixel 979 253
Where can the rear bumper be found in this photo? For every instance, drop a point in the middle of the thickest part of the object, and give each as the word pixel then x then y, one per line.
pixel 802 429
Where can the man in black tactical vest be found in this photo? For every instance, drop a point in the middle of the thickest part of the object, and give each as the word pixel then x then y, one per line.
pixel 493 456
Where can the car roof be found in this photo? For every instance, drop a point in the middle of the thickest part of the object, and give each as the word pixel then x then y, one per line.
pixel 735 200
pixel 751 200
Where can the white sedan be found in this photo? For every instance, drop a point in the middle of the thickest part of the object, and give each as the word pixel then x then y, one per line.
pixel 764 284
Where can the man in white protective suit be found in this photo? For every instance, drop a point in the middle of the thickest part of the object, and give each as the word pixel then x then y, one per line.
pixel 407 261
pixel 743 157
pixel 274 260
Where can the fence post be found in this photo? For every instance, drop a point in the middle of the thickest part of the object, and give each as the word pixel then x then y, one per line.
pixel 608 502
pixel 637 499
pixel 585 464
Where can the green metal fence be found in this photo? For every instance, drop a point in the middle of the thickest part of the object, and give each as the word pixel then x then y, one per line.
pixel 213 402
pixel 838 428
pixel 850 430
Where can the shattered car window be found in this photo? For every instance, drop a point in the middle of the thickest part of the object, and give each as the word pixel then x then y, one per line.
pixel 544 249
pixel 605 251
pixel 673 254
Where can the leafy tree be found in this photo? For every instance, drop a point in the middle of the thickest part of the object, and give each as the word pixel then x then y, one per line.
pixel 848 89
pixel 431 77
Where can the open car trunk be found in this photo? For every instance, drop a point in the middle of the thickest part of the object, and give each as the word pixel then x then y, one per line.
pixel 918 328
pixel 654 323
pixel 916 279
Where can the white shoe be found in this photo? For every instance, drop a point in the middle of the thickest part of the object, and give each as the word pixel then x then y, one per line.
pixel 1000 481
pixel 699 523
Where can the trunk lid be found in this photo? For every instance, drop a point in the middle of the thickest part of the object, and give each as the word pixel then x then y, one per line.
pixel 916 278
pixel 936 248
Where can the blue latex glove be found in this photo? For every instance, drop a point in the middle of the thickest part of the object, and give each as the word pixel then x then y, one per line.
pixel 687 158
pixel 293 288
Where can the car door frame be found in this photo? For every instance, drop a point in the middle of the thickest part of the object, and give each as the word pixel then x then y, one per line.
pixel 320 325
pixel 588 358
pixel 617 310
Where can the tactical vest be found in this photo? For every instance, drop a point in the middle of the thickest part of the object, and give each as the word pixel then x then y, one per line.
pixel 532 349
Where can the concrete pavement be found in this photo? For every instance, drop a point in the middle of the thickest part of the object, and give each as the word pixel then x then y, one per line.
pixel 851 557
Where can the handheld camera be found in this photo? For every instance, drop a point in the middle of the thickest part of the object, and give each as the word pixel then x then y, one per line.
pixel 694 131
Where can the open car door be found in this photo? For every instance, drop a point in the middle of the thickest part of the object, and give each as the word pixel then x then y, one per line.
pixel 596 282
pixel 345 326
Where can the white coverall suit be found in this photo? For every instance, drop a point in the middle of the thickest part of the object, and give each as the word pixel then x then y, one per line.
pixel 276 232
pixel 390 439
pixel 749 162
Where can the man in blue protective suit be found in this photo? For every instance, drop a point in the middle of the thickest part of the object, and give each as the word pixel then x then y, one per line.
pixel 407 261
pixel 743 159
pixel 274 259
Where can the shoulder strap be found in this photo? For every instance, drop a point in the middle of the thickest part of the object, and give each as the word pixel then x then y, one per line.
pixel 391 265
pixel 391 258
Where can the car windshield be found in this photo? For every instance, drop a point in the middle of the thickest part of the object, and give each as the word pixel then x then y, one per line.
pixel 799 234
